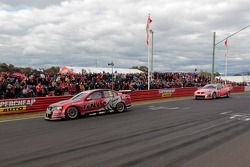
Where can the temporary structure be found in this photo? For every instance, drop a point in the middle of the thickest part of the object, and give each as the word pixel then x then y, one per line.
pixel 75 70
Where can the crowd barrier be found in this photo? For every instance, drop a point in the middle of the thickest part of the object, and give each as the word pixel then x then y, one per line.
pixel 247 88
pixel 142 95
pixel 37 104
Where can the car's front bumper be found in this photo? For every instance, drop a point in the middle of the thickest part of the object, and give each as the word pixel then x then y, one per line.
pixel 54 115
pixel 204 96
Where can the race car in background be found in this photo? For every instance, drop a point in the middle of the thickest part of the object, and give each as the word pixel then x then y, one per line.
pixel 91 101
pixel 212 91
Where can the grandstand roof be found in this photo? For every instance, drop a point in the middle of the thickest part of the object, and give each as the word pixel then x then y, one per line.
pixel 69 69
pixel 244 78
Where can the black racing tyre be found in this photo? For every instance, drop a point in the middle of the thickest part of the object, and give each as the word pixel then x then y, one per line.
pixel 72 113
pixel 120 107
pixel 214 96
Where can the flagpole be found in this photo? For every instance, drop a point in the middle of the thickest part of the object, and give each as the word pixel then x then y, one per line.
pixel 149 20
pixel 152 54
pixel 226 71
pixel 148 68
pixel 226 62
pixel 215 44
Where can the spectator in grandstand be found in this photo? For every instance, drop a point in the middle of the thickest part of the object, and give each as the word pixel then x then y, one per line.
pixel 49 84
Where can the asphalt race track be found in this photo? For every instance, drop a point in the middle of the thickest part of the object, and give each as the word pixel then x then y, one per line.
pixel 189 133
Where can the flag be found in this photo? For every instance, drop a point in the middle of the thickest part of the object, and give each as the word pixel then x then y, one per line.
pixel 226 42
pixel 147 29
pixel 226 45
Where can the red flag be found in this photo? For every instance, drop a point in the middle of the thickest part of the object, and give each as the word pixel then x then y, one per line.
pixel 147 28
pixel 226 44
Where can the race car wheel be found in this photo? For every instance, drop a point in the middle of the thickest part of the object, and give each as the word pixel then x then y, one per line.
pixel 72 113
pixel 214 96
pixel 120 107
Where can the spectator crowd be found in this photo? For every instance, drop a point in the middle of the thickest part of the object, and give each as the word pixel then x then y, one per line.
pixel 18 85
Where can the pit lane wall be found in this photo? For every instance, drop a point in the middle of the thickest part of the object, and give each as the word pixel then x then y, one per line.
pixel 37 104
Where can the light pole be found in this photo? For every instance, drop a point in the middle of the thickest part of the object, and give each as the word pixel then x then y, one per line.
pixel 112 66
pixel 215 44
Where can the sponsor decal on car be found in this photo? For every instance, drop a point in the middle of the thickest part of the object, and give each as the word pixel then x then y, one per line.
pixel 92 105
pixel 110 103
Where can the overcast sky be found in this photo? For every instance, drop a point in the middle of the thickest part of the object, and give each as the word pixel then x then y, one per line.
pixel 41 33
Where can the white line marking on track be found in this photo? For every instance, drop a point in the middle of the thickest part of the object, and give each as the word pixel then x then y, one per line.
pixel 241 116
pixel 162 108
pixel 20 119
pixel 227 112
pixel 172 108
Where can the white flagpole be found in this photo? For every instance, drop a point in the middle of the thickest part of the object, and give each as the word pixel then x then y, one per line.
pixel 226 63
pixel 152 54
pixel 148 67
pixel 148 45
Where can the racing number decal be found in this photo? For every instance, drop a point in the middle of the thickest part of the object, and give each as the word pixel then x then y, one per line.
pixel 92 105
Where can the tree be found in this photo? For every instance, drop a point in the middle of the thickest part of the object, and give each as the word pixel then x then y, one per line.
pixel 4 67
pixel 53 69
pixel 142 68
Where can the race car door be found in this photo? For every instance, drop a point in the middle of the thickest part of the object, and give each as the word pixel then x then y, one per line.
pixel 221 91
pixel 94 102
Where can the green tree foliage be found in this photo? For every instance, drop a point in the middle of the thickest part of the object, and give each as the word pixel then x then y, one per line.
pixel 53 69
pixel 26 70
pixel 142 68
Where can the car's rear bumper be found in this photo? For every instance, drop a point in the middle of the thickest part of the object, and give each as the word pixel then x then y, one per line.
pixel 128 106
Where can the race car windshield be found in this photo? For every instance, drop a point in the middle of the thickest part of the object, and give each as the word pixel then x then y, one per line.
pixel 78 96
pixel 209 87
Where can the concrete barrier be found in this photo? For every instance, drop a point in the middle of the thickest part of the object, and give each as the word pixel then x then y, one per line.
pixel 24 105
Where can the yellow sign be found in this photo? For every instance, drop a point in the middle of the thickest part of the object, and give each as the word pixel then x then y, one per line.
pixel 166 92
pixel 13 109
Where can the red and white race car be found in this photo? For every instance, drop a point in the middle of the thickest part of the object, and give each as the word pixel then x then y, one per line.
pixel 98 100
pixel 212 91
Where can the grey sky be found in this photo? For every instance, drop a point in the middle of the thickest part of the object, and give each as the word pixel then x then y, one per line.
pixel 41 33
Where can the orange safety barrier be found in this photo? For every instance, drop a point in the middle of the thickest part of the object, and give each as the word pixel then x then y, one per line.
pixel 24 105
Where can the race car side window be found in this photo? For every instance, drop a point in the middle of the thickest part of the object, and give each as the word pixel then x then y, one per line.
pixel 108 94
pixel 95 95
